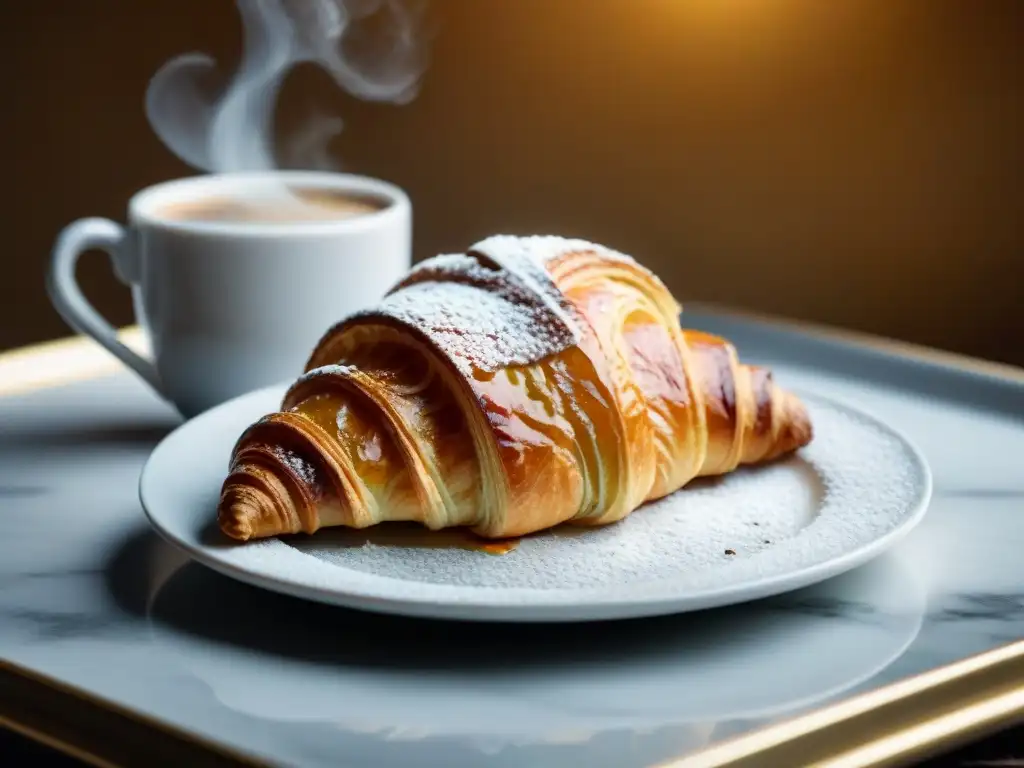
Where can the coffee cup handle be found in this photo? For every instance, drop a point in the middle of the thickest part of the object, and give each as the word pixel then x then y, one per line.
pixel 70 302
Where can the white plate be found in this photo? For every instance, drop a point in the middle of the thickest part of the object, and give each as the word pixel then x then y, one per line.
pixel 854 492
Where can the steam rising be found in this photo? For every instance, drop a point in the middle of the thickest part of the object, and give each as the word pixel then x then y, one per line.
pixel 371 48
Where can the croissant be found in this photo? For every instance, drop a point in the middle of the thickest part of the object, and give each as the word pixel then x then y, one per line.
pixel 528 382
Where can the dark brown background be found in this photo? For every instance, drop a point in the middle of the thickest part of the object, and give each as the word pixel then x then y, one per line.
pixel 856 162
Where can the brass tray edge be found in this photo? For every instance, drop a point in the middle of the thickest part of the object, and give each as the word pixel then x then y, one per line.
pixel 992 701
pixel 876 342
pixel 106 734
pixel 47 364
pixel 893 725
pixel 62 361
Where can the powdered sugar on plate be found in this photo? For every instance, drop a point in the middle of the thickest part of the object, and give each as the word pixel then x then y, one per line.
pixel 846 487
pixel 681 537
pixel 755 532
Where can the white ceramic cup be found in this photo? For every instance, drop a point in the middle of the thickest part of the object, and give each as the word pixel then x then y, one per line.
pixel 229 307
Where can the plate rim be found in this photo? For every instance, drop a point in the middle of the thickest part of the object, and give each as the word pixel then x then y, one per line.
pixel 589 608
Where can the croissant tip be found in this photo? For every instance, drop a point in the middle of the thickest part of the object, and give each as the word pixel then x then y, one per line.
pixel 799 430
pixel 796 430
pixel 235 521
pixel 802 425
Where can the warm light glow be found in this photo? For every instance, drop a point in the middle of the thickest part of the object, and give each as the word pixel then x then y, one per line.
pixel 728 32
pixel 737 12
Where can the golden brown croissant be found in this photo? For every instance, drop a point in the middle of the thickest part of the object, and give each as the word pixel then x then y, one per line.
pixel 526 383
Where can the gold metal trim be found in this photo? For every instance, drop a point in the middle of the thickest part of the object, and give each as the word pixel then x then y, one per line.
pixel 100 732
pixel 893 725
pixel 79 358
pixel 55 744
pixel 64 361
pixel 873 341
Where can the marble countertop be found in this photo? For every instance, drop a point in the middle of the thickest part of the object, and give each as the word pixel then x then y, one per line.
pixel 92 598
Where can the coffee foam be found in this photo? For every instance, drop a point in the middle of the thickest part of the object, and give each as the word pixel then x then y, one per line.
pixel 273 204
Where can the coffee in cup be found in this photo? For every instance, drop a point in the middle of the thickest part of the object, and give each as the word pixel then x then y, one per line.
pixel 284 204
pixel 235 277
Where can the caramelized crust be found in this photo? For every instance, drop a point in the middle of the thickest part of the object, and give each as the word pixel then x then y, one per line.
pixel 527 383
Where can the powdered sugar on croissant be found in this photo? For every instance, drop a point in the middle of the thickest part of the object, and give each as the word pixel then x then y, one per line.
pixel 529 382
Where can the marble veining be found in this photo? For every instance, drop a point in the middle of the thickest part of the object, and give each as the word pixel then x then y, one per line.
pixel 830 606
pixel 59 626
pixel 91 596
pixel 993 607
pixel 21 491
